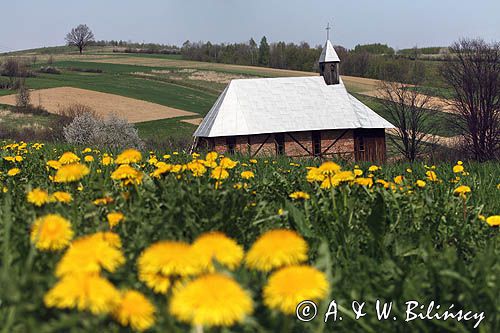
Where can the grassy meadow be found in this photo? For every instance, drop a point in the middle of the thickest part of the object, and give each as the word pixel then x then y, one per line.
pixel 95 241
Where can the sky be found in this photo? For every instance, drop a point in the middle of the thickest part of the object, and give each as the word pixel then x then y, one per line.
pixel 399 23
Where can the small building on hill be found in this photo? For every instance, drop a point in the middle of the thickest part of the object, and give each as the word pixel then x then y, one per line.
pixel 294 116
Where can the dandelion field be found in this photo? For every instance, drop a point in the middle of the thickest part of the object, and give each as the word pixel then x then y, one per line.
pixel 168 242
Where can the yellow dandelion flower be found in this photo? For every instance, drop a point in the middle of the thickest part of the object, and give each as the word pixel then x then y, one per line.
pixel 89 158
pixel 103 201
pixel 329 168
pixel 53 164
pixel 107 160
pixel 277 248
pixel 289 286
pixel 227 163
pixel 69 158
pixel 211 300
pixel 114 218
pixel 368 182
pixel 211 156
pixel 167 259
pixel 374 168
pixel 38 197
pixel 300 195
pixel 127 174
pixel 197 168
pixel 134 310
pixel 129 156
pixel 51 233
pixel 219 173
pixel 431 175
pixel 337 179
pixel 315 175
pixel 85 292
pixel 216 245
pixel 458 168
pixel 409 170
pixel 493 221
pixel 253 161
pixel 61 196
pixel 87 150
pixel 358 172
pixel 462 191
pixel 71 173
pixel 90 254
pixel 13 172
pixel 152 160
pixel 420 183
pixel 398 179
pixel 247 174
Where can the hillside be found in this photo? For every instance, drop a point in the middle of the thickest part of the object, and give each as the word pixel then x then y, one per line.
pixel 185 89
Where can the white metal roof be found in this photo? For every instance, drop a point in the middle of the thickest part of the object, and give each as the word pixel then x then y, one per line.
pixel 273 105
pixel 328 53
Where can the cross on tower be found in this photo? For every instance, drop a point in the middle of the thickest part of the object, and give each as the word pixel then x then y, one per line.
pixel 328 31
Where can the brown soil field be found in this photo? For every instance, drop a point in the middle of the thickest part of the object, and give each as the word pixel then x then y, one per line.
pixel 193 121
pixel 155 62
pixel 133 110
pixel 194 74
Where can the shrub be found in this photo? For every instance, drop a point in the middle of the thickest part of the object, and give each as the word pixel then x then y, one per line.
pixel 116 133
pixel 81 130
pixel 74 110
pixel 85 70
pixel 113 133
pixel 49 70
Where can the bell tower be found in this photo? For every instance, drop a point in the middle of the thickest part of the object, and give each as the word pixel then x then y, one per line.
pixel 329 61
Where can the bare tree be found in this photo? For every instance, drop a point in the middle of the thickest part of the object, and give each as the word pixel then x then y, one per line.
pixel 411 113
pixel 80 37
pixel 473 71
pixel 23 98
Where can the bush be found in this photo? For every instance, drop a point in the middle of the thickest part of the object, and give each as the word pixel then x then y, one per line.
pixel 81 130
pixel 85 70
pixel 74 110
pixel 49 70
pixel 113 133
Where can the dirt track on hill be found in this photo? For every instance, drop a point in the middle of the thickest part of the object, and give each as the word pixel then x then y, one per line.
pixel 133 110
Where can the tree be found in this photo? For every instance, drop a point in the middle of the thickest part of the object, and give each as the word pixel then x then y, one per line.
pixel 411 113
pixel 81 37
pixel 23 99
pixel 473 71
pixel 253 50
pixel 264 52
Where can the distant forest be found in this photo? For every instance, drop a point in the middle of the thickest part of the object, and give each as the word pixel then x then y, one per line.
pixel 378 61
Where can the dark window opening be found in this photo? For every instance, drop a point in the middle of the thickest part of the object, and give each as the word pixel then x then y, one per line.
pixel 279 139
pixel 361 144
pixel 231 144
pixel 316 141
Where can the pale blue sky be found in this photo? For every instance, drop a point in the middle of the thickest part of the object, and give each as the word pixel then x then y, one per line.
pixel 400 23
